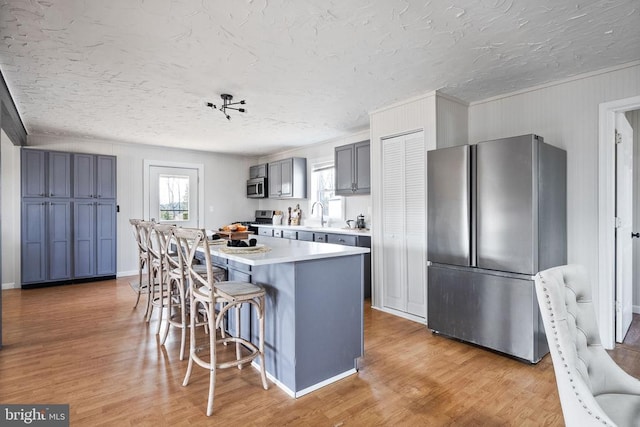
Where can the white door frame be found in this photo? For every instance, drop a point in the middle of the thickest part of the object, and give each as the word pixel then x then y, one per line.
pixel 161 163
pixel 606 285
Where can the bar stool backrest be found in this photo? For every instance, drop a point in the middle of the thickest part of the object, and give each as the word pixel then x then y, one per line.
pixel 189 240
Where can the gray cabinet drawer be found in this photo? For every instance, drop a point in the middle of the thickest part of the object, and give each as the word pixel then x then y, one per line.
pixel 342 239
pixel 290 234
pixel 320 237
pixel 277 233
pixel 305 235
pixel 262 231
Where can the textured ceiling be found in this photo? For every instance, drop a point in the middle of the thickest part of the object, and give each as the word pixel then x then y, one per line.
pixel 142 71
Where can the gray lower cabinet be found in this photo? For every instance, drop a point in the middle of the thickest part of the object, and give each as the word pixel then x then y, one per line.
pixel 46 241
pixel 290 234
pixel 305 235
pixel 94 239
pixel 67 235
pixel 264 231
pixel 322 237
pixel 106 238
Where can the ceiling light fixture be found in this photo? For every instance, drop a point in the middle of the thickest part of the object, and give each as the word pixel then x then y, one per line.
pixel 227 105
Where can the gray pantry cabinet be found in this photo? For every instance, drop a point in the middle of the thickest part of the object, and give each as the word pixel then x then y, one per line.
pixel 68 217
pixel 353 169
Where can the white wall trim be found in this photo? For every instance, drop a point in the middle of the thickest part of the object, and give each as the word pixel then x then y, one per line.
pixel 404 102
pixel 452 99
pixel 402 314
pixel 558 82
pixel 10 286
pixel 606 285
pixel 162 163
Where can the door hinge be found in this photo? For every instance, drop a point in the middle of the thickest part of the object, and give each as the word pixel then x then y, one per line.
pixel 618 306
pixel 618 222
pixel 618 138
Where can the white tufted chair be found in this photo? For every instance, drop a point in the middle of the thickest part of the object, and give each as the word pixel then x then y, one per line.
pixel 593 390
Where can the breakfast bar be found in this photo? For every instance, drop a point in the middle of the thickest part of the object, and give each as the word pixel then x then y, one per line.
pixel 314 308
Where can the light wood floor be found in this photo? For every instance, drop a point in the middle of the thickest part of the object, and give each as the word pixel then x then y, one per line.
pixel 85 345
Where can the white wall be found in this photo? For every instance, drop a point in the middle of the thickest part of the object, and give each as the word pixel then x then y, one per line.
pixel 323 151
pixel 224 189
pixel 566 114
pixel 10 203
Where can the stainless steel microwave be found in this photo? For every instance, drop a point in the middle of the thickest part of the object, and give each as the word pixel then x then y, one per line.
pixel 257 188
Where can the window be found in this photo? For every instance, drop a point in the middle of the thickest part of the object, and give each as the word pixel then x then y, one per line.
pixel 173 197
pixel 323 190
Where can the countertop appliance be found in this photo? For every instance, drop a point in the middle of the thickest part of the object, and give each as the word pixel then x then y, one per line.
pixel 496 216
pixel 257 188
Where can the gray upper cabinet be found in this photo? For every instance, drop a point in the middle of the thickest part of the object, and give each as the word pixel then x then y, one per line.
pixel 46 174
pixel 84 185
pixel 353 169
pixel 59 175
pixel 34 173
pixel 94 176
pixel 288 178
pixel 258 171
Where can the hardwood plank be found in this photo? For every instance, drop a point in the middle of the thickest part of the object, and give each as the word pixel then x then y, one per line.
pixel 85 345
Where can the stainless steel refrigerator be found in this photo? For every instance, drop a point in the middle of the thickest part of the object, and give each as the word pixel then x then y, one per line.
pixel 496 216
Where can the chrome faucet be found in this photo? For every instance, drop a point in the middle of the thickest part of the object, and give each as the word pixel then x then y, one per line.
pixel 322 221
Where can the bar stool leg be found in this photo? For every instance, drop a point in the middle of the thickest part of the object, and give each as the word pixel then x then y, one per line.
pixel 263 366
pixel 212 358
pixel 238 333
pixel 192 343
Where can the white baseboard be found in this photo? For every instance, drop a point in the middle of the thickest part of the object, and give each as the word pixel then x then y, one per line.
pixel 307 390
pixel 10 286
pixel 636 309
pixel 402 314
pixel 127 273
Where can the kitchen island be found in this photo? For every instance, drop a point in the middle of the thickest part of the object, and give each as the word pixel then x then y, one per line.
pixel 314 309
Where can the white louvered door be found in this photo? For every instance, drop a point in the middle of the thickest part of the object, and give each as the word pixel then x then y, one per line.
pixel 404 223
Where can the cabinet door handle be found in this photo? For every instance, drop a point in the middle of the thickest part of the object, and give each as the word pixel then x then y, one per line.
pixel 635 235
pixel 341 240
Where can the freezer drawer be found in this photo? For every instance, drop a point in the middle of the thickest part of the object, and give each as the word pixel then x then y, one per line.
pixel 494 311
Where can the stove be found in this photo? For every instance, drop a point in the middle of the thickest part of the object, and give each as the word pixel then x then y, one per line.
pixel 262 217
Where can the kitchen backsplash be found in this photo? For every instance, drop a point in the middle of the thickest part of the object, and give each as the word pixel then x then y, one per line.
pixel 354 206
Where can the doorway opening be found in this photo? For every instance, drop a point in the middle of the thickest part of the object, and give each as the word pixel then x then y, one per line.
pixel 611 305
pixel 173 193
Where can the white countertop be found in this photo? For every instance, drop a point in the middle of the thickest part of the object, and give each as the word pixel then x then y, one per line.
pixel 286 250
pixel 336 230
